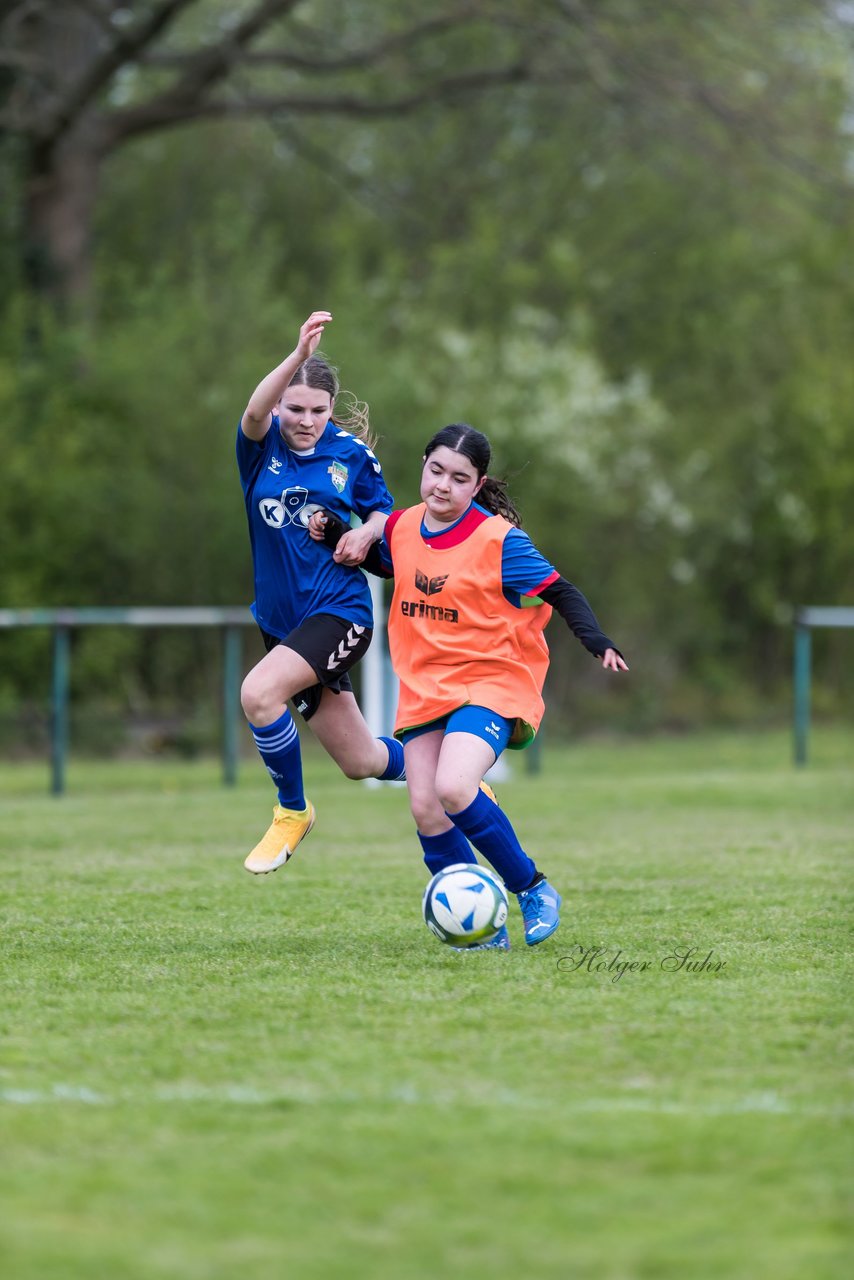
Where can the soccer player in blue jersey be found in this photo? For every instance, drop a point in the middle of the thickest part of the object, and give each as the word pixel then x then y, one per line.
pixel 296 455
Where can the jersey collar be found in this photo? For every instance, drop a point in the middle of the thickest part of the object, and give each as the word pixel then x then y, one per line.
pixel 457 532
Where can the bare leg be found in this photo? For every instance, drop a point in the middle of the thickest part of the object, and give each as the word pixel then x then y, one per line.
pixel 422 758
pixel 342 731
pixel 463 760
pixel 277 677
pixel 267 687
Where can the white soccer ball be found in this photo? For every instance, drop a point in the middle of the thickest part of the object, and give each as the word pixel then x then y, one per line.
pixel 464 904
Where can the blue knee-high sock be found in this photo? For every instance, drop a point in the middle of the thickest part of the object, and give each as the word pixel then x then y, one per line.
pixel 445 849
pixel 279 746
pixel 490 831
pixel 394 770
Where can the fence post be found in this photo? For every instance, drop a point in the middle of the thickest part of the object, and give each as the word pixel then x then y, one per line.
pixel 230 699
pixel 59 709
pixel 803 657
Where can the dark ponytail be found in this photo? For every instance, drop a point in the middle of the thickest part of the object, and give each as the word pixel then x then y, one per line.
pixel 494 496
pixel 474 445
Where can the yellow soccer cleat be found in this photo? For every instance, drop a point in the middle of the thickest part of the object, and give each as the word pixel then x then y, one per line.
pixel 489 793
pixel 289 826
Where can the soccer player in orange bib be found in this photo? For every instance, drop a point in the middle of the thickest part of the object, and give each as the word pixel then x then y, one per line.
pixel 472 597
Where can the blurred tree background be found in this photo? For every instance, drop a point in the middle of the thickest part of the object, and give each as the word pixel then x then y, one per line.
pixel 617 237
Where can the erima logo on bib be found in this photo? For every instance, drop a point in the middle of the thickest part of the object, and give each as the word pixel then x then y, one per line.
pixel 429 586
pixel 435 612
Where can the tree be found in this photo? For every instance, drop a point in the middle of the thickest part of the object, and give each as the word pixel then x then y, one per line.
pixel 85 77
pixel 631 265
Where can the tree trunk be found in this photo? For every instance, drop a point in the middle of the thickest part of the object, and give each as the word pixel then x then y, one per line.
pixel 59 198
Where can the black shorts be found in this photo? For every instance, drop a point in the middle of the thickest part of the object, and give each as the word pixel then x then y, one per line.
pixel 330 645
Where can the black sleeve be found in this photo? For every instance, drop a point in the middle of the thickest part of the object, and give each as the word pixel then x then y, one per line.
pixel 333 531
pixel 578 616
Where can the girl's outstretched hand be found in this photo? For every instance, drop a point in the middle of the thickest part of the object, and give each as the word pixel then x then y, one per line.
pixel 311 333
pixel 613 661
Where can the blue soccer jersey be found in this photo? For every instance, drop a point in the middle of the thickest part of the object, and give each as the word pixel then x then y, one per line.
pixel 296 577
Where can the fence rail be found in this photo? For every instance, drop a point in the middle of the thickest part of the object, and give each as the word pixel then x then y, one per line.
pixel 63 621
pixel 806 618
pixel 134 617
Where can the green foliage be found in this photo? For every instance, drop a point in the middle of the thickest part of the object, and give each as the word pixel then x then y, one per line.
pixel 633 272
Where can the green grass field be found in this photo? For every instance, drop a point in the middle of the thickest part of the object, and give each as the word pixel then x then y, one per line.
pixel 206 1075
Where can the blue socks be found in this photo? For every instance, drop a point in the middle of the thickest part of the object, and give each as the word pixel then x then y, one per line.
pixel 394 770
pixel 490 831
pixel 279 746
pixel 445 849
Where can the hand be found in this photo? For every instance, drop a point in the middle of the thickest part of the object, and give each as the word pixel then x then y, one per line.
pixel 612 661
pixel 311 333
pixel 316 526
pixel 354 545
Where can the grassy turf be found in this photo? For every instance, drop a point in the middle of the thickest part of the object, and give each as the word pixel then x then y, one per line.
pixel 208 1075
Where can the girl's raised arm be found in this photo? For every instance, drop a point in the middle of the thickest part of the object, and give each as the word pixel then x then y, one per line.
pixel 258 414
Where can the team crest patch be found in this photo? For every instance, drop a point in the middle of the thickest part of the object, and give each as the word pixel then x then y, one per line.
pixel 338 474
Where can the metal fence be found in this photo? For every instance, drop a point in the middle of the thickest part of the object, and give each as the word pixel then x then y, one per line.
pixel 377 693
pixel 805 619
pixel 63 621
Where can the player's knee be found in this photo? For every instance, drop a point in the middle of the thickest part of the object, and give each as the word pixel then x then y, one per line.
pixel 426 811
pixel 247 698
pixel 451 799
pixel 449 788
pixel 255 700
pixel 357 769
pixel 355 758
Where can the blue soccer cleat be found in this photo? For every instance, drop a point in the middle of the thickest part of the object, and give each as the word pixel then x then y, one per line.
pixel 540 910
pixel 501 942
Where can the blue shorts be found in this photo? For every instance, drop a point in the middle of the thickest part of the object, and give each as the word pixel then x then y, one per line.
pixel 483 723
